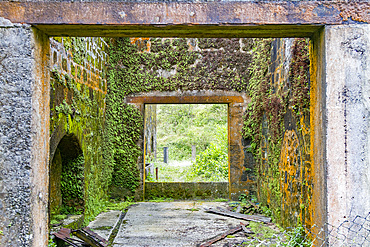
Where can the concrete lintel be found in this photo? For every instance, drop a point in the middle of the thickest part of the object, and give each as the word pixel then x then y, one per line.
pixel 97 18
pixel 184 99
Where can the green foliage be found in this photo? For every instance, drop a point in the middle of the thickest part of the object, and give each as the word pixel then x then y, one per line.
pixel 51 243
pixel 181 126
pixel 121 206
pixel 64 108
pixel 123 129
pixel 78 109
pixel 170 65
pixel 212 163
pixel 123 124
pixel 264 124
pixel 296 238
pixel 72 186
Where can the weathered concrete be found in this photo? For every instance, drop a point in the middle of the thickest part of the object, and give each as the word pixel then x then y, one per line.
pixel 108 15
pixel 339 114
pixel 24 135
pixel 348 123
pixel 172 224
pixel 105 222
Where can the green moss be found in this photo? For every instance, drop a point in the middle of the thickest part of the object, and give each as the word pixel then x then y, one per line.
pixel 268 116
pixel 74 111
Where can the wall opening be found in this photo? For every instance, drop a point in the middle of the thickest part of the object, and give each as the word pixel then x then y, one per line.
pixel 191 143
pixel 66 187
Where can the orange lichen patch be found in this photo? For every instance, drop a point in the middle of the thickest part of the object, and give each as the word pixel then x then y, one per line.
pixel 142 43
pixel 359 11
pixel 306 174
pixel 184 99
pixel 290 160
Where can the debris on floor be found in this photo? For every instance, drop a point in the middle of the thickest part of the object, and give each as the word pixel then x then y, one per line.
pixel 224 235
pixel 225 212
pixel 85 237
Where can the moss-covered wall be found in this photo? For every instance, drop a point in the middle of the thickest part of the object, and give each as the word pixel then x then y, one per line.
pixel 77 111
pixel 277 126
pixel 274 73
pixel 172 66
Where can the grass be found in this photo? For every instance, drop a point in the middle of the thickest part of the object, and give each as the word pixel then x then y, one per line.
pixel 170 172
pixel 161 200
pixel 120 206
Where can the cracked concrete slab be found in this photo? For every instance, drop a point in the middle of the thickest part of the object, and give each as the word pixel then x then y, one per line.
pixel 105 222
pixel 174 224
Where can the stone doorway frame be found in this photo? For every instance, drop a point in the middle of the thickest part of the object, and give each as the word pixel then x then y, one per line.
pixel 237 103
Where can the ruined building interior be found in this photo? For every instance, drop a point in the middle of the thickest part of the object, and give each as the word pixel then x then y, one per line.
pixel 77 120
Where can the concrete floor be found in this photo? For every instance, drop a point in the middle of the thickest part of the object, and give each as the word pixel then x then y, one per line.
pixel 174 224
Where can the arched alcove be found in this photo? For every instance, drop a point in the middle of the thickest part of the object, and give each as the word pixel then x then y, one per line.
pixel 66 187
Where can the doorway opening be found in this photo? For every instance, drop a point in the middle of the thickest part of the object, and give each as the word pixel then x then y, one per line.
pixel 67 184
pixel 186 143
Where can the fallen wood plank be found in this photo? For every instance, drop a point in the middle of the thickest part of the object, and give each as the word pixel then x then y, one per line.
pixel 222 236
pixel 90 237
pixel 64 235
pixel 255 218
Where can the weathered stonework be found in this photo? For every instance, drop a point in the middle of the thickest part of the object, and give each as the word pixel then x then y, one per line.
pixel 284 170
pixel 77 110
pixel 23 158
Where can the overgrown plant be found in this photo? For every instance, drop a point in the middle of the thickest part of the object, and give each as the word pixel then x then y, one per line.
pixel 296 237
pixel 72 186
pixel 144 65
pixel 212 163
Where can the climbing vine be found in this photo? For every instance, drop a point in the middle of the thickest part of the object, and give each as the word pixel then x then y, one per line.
pixel 77 109
pixel 298 77
pixel 72 186
pixel 143 65
pixel 268 117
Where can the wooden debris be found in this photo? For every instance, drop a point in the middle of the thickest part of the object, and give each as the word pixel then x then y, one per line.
pixel 222 236
pixel 90 237
pixel 64 234
pixel 255 218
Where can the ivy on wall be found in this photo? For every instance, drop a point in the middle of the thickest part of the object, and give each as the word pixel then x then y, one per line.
pixel 72 185
pixel 143 65
pixel 267 120
pixel 77 109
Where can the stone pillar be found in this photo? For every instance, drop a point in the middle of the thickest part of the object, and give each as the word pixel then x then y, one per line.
pixel 348 121
pixel 24 135
pixel 238 184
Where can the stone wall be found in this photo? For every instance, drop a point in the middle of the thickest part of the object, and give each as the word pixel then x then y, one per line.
pixel 15 141
pixel 23 147
pixel 187 191
pixel 178 70
pixel 284 167
pixel 77 113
